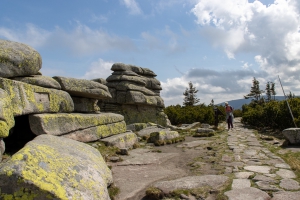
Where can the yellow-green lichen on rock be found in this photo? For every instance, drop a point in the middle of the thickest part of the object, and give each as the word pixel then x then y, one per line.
pixel 63 123
pixel 6 114
pixel 17 59
pixel 42 81
pixel 97 132
pixel 51 166
pixel 124 140
pixel 85 105
pixel 28 99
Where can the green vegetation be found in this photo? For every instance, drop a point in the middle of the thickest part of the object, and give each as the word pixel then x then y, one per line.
pixel 190 114
pixel 272 114
pixel 190 98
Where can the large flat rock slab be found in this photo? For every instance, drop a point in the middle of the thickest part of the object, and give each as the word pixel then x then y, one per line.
pixel 17 59
pixel 42 81
pixel 97 132
pixel 190 182
pixel 292 135
pixel 249 193
pixel 51 167
pixel 28 99
pixel 62 123
pixel 83 88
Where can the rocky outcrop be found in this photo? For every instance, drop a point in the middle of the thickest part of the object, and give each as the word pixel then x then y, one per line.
pixel 122 141
pixel 135 94
pixel 42 81
pixel 56 168
pixel 18 59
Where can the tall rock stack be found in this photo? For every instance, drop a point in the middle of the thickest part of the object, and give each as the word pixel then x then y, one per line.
pixel 51 107
pixel 135 94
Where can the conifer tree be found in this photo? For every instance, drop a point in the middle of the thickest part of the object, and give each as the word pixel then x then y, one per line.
pixel 273 92
pixel 190 98
pixel 255 91
pixel 268 92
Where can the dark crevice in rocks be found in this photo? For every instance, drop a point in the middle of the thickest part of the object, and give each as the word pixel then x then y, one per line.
pixel 19 135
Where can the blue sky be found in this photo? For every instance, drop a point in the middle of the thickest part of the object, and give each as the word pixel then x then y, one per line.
pixel 219 45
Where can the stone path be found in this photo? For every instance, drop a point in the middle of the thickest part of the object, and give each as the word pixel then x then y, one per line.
pixel 256 173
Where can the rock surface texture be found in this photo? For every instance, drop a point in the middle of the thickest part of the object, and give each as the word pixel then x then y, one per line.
pixel 135 94
pixel 51 167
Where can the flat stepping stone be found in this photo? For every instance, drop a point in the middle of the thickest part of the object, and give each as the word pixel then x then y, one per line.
pixel 249 193
pixel 240 183
pixel 289 184
pixel 282 165
pixel 191 182
pixel 266 186
pixel 284 173
pixel 258 169
pixel 260 177
pixel 286 195
pixel 243 175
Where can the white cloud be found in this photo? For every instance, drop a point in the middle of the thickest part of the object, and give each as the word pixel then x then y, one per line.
pixel 82 40
pixel 132 6
pixel 99 69
pixel 32 35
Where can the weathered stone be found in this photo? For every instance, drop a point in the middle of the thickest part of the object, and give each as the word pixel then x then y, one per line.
pixel 136 69
pixel 97 132
pixel 17 59
pixel 143 114
pixel 244 175
pixel 42 81
pixel 148 130
pixel 193 144
pixel 163 135
pixel 136 126
pixel 128 73
pixel 28 99
pixel 249 193
pixel 216 182
pixel 267 186
pixel 292 135
pixel 124 140
pixel 125 86
pixel 83 88
pixel 284 173
pixel 56 168
pixel 259 169
pixel 286 195
pixel 135 97
pixel 205 130
pixel 260 177
pixel 6 114
pixel 100 80
pixel 85 105
pixel 289 184
pixel 134 79
pixel 240 183
pixel 62 123
pixel 153 84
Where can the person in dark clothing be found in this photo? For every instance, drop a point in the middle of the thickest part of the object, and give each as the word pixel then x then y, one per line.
pixel 229 115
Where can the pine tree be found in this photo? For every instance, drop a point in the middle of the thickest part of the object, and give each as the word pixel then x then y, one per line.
pixel 255 91
pixel 273 92
pixel 268 92
pixel 190 98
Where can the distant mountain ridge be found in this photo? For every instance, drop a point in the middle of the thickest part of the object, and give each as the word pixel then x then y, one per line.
pixel 238 103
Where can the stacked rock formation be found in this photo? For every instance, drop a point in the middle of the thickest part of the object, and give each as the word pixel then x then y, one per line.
pixel 52 106
pixel 135 94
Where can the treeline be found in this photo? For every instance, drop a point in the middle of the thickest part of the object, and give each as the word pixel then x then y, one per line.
pixel 198 113
pixel 272 114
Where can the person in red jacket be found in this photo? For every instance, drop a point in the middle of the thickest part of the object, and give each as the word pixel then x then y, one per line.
pixel 229 115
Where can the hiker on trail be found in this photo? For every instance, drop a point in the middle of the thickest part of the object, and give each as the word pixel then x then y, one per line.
pixel 229 115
